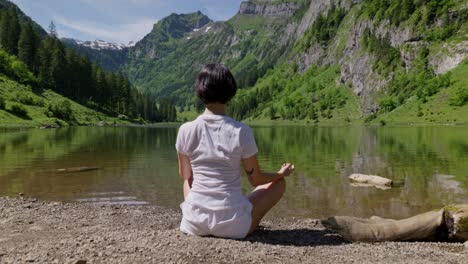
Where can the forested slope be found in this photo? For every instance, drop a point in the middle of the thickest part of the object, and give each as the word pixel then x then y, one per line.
pixel 34 62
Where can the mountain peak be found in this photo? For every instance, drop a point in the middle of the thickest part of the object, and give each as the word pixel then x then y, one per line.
pixel 177 25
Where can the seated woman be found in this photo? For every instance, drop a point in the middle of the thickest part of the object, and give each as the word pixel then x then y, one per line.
pixel 210 151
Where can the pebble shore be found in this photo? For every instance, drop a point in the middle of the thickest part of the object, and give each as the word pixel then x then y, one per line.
pixel 34 231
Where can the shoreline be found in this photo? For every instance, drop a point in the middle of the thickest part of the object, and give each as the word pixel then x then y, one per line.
pixel 250 123
pixel 55 232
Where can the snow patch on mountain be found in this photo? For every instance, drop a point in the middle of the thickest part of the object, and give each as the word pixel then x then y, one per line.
pixel 104 45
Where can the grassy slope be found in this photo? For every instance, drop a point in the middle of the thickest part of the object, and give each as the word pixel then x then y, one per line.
pixel 437 110
pixel 11 91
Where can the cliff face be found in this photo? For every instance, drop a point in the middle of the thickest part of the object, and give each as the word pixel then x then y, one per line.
pixel 357 65
pixel 266 8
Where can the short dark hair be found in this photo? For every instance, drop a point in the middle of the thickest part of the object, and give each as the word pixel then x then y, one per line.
pixel 215 84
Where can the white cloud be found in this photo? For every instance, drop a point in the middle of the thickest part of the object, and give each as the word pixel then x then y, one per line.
pixel 121 33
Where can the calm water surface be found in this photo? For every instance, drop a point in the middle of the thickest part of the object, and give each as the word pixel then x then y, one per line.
pixel 138 165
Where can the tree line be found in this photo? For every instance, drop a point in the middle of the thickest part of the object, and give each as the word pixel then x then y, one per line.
pixel 63 70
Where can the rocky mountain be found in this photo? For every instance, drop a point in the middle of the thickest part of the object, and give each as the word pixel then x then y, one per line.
pixel 110 56
pixel 316 59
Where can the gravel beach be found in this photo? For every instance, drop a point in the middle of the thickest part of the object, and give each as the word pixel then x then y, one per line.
pixel 33 231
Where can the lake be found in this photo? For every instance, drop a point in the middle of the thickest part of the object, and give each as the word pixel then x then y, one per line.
pixel 138 165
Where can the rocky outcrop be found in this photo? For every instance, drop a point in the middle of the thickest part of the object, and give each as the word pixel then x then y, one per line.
pixel 266 8
pixel 448 57
pixel 318 7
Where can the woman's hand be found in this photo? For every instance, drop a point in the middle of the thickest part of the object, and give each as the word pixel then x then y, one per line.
pixel 258 177
pixel 286 170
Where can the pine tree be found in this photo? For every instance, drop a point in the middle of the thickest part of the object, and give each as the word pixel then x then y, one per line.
pixel 10 31
pixel 85 79
pixel 43 65
pixel 58 68
pixel 14 32
pixel 53 30
pixel 3 26
pixel 26 45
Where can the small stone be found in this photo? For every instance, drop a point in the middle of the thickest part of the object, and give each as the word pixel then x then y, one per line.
pixel 81 262
pixel 466 245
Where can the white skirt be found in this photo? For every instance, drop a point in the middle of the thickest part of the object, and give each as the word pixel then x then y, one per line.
pixel 232 222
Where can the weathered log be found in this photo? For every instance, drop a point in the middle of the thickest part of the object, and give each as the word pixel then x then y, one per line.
pixel 376 229
pixel 77 169
pixel 456 221
pixel 371 180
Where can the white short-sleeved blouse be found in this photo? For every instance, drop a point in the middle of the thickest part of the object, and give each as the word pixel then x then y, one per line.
pixel 215 144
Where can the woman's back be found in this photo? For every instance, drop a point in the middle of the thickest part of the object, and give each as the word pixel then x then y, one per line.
pixel 216 144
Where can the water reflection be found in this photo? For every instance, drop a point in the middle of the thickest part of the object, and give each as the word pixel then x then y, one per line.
pixel 138 165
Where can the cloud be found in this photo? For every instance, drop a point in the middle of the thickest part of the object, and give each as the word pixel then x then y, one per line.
pixel 121 33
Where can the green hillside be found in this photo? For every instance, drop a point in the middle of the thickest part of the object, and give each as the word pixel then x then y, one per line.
pixel 448 106
pixel 19 105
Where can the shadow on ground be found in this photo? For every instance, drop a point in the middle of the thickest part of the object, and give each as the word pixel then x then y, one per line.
pixel 296 237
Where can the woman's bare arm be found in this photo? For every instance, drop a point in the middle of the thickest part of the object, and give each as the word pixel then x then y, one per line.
pixel 185 167
pixel 258 177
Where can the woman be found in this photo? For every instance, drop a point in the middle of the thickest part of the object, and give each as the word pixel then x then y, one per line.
pixel 210 151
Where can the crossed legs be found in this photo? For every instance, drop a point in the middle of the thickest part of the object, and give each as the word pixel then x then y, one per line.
pixel 263 198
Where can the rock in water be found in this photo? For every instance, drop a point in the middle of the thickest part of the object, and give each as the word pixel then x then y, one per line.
pixel 371 180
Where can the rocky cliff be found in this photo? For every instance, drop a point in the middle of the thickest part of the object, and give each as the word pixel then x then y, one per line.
pixel 268 8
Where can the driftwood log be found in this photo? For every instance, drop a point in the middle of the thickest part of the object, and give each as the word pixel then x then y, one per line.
pixel 449 223
pixel 76 169
pixel 456 221
pixel 370 180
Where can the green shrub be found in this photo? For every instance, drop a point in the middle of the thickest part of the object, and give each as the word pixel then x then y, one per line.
pixel 332 98
pixel 2 103
pixel 28 100
pixel 19 110
pixel 61 110
pixel 15 69
pixel 387 104
pixel 5 62
pixel 460 98
pixel 22 73
pixel 370 117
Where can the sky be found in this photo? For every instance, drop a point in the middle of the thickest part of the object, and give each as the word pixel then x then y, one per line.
pixel 119 21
